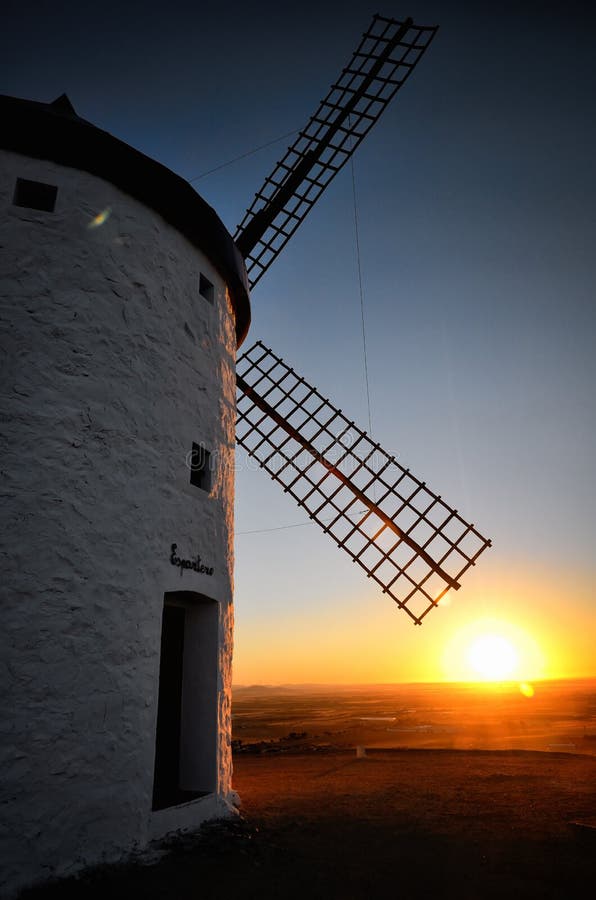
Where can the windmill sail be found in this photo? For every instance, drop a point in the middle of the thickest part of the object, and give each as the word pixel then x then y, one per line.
pixel 385 58
pixel 402 534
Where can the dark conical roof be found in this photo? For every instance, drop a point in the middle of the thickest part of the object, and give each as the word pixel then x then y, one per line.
pixel 63 104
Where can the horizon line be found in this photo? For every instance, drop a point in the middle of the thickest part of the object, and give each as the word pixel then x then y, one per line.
pixel 461 681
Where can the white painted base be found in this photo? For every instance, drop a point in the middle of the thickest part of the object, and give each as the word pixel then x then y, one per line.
pixel 189 816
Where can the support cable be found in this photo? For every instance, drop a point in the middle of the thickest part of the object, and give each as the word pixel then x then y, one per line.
pixel 361 290
pixel 276 140
pixel 358 513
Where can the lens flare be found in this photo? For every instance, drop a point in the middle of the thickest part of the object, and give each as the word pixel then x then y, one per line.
pixel 100 218
pixel 526 689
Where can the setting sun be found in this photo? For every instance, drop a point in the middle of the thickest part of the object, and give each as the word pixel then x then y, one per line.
pixel 492 657
pixel 493 650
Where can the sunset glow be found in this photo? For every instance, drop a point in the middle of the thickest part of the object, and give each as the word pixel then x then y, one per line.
pixel 493 658
pixel 493 650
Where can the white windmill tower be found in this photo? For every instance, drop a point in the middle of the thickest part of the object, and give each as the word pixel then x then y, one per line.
pixel 121 336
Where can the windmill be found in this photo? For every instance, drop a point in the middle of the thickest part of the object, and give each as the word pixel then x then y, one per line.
pixel 404 536
pixel 117 611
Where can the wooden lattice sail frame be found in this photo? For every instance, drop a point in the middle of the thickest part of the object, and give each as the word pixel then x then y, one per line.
pixel 404 536
pixel 383 61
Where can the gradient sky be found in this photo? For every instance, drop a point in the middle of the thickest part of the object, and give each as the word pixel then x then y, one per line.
pixel 476 197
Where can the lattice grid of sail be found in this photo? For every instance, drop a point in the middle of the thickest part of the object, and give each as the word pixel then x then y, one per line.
pixel 403 535
pixel 385 58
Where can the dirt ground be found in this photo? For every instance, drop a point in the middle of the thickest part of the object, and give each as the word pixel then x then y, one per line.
pixel 407 824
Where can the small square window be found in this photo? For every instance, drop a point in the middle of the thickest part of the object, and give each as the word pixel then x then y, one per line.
pixel 35 195
pixel 200 467
pixel 206 289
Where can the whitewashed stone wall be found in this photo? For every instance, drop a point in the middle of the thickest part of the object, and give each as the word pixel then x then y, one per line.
pixel 113 364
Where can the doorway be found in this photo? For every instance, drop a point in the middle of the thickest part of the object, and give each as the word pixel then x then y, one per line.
pixel 186 732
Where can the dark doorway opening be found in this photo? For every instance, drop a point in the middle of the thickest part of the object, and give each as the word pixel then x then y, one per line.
pixel 166 782
pixel 186 732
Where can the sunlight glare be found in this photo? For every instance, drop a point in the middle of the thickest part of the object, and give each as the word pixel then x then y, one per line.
pixel 493 650
pixel 492 657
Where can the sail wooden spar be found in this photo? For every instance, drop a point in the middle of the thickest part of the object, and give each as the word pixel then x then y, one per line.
pixel 383 61
pixel 401 533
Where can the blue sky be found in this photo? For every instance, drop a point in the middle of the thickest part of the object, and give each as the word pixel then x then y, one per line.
pixel 476 205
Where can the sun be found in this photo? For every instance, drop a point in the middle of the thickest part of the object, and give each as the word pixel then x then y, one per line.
pixel 493 650
pixel 492 657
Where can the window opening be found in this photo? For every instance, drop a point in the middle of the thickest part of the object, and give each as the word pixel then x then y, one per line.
pixel 35 195
pixel 200 467
pixel 206 288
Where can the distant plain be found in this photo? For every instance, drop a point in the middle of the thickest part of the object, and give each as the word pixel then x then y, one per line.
pixel 560 716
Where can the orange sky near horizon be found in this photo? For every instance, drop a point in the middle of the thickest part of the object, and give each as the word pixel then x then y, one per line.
pixel 364 638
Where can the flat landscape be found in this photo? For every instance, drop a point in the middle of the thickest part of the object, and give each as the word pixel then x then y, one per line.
pixel 412 813
pixel 547 716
